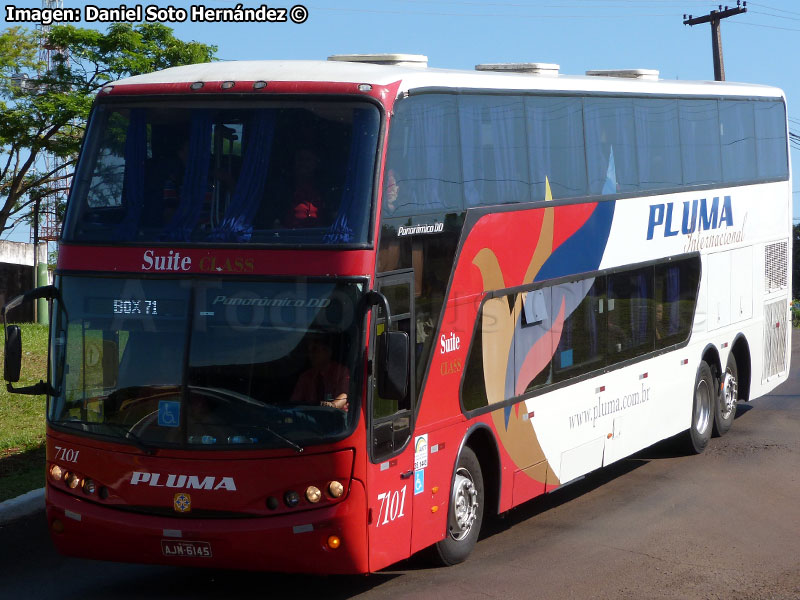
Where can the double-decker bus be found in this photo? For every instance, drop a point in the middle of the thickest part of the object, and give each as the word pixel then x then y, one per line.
pixel 318 316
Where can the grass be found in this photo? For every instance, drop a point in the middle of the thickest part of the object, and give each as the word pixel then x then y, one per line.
pixel 22 420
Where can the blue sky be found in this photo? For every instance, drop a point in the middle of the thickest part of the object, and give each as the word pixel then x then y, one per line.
pixel 760 46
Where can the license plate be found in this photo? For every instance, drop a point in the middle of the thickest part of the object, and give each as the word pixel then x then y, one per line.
pixel 186 549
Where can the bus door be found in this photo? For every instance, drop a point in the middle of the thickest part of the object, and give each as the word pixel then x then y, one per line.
pixel 390 482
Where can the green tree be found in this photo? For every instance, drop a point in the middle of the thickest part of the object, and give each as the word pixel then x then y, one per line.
pixel 44 112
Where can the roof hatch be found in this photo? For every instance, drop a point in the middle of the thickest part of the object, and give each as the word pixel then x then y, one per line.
pixel 651 74
pixel 544 69
pixel 399 60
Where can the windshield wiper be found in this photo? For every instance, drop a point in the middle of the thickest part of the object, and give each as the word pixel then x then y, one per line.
pixel 253 402
pixel 137 441
pixel 283 438
pixel 88 425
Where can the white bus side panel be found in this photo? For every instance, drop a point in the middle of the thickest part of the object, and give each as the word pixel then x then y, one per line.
pixel 603 419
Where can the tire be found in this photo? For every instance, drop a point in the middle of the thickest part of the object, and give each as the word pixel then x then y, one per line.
pixel 725 409
pixel 465 514
pixel 703 406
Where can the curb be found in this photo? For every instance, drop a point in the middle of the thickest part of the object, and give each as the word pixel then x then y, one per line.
pixel 22 506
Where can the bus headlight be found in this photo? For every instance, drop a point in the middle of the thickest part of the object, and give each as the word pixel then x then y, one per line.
pixel 56 473
pixel 313 494
pixel 72 480
pixel 88 486
pixel 335 489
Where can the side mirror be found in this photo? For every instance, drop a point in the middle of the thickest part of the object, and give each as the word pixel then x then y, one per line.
pixel 13 346
pixel 13 354
pixel 393 366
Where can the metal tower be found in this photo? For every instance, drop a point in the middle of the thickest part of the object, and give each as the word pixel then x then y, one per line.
pixel 49 226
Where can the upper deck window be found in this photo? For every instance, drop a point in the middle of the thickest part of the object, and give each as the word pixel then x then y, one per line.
pixel 448 152
pixel 226 172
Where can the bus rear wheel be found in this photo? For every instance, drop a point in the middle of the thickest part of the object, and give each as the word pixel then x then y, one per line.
pixel 466 511
pixel 703 406
pixel 725 408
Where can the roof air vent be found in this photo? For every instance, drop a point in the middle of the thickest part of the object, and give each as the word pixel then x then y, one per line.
pixel 399 60
pixel 650 74
pixel 544 69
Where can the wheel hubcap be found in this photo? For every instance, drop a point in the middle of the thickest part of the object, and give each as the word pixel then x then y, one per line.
pixel 465 505
pixel 730 391
pixel 702 406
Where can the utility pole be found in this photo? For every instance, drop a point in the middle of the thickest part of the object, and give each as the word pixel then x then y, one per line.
pixel 714 17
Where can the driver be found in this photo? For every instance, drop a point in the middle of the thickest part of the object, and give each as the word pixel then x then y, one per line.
pixel 326 382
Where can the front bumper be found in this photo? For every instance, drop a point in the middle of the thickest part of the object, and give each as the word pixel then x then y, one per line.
pixel 292 543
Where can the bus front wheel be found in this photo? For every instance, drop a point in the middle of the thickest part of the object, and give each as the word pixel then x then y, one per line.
pixel 703 408
pixel 725 409
pixel 466 511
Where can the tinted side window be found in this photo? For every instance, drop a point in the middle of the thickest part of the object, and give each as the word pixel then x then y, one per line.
pixel 570 329
pixel 630 314
pixel 473 390
pixel 423 158
pixel 582 344
pixel 770 123
pixel 493 150
pixel 556 146
pixel 675 299
pixel 658 143
pixel 700 150
pixel 738 137
pixel 533 340
pixel 611 146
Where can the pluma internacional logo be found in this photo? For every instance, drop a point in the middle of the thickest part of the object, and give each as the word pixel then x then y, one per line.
pixel 188 482
pixel 695 215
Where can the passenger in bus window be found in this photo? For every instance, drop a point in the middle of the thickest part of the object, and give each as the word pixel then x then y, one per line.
pixel 325 382
pixel 164 179
pixel 307 207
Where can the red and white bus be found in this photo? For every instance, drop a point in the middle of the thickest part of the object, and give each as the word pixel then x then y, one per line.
pixel 319 316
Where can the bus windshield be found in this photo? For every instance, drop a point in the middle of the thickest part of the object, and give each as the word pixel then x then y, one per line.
pixel 269 172
pixel 206 364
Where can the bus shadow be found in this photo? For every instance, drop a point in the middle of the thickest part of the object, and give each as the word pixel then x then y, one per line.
pixel 201 583
pixel 561 496
pixel 674 447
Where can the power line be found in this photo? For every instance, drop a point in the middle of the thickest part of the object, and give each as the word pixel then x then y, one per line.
pixel 766 26
pixel 758 12
pixel 791 12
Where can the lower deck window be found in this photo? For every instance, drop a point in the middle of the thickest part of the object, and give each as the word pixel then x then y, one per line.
pixel 577 327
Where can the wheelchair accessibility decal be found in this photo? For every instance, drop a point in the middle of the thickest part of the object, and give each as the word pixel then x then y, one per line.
pixel 169 413
pixel 419 482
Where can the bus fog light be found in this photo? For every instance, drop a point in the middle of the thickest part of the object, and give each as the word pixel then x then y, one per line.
pixel 272 503
pixel 313 494
pixel 72 480
pixel 57 526
pixel 334 542
pixel 88 486
pixel 335 489
pixel 56 473
pixel 291 499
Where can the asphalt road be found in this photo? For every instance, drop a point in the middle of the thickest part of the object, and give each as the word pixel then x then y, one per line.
pixel 723 525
